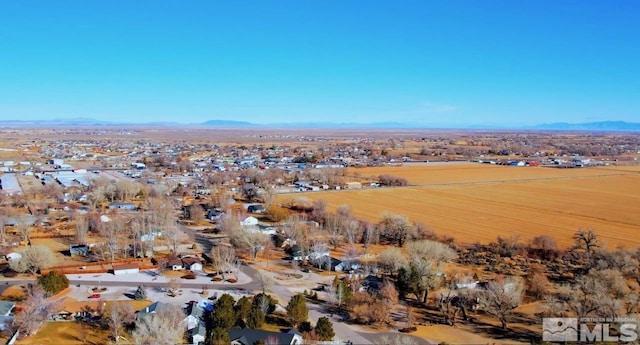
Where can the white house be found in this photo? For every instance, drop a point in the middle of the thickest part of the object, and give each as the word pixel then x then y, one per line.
pixel 198 334
pixel 192 263
pixel 125 269
pixel 249 336
pixel 13 256
pixel 249 221
pixel 195 314
pixel 150 236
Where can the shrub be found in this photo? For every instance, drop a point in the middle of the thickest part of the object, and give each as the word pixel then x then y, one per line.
pixel 189 276
pixel 389 180
pixel 408 329
pixel 53 282
pixel 9 273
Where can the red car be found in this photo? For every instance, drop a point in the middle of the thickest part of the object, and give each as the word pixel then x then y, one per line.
pixel 95 295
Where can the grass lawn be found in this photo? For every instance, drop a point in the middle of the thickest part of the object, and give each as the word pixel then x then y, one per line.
pixel 13 293
pixel 67 333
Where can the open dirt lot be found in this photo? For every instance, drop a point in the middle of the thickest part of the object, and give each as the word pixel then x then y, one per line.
pixel 475 202
pixel 67 333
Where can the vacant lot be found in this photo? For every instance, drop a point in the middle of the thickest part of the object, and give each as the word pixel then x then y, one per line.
pixel 67 333
pixel 475 202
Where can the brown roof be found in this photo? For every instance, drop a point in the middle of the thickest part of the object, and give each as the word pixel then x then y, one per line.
pixel 173 262
pixel 117 267
pixel 191 260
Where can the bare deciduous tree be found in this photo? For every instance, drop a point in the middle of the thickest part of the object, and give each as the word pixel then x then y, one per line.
pixel 36 311
pixel 586 240
pixel 3 229
pixel 501 297
pixel 173 286
pixel 387 339
pixel 164 327
pixel 431 250
pixel 82 228
pixel 391 259
pixel 23 226
pixel 223 258
pixel 33 259
pixel 395 228
pixel 117 316
pixel 264 281
pixel 268 195
pixel 250 240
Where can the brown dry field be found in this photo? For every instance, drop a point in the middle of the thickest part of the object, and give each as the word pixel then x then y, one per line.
pixel 476 202
pixel 67 333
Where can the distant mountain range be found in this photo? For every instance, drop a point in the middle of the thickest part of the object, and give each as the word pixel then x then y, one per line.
pixel 560 126
pixel 592 126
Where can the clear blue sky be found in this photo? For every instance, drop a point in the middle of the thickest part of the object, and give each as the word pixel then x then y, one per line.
pixel 438 63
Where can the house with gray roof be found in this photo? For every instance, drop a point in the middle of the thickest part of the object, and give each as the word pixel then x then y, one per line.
pixel 6 314
pixel 247 336
pixel 152 309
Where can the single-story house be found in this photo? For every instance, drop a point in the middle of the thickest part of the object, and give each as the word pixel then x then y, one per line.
pixel 151 309
pixel 26 219
pixel 346 265
pixel 125 268
pixel 213 214
pixel 249 221
pixel 70 309
pixel 249 336
pixel 198 334
pixel 78 249
pixel 195 312
pixel 128 206
pixel 255 208
pixel 6 308
pixel 13 256
pixel 6 314
pixel 372 284
pixel 175 264
pixel 150 236
pixel 299 254
pixel 468 285
pixel 192 263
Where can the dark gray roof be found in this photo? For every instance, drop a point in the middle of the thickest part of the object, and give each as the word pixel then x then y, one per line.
pixel 249 336
pixel 153 308
pixel 6 307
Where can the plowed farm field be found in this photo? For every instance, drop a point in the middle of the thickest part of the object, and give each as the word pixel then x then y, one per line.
pixel 476 202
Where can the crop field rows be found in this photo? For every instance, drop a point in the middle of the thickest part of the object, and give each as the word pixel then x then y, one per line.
pixel 479 203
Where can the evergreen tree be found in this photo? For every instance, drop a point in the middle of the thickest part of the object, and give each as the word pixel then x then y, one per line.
pixel 53 282
pixel 297 309
pixel 223 315
pixel 219 336
pixel 324 329
pixel 305 327
pixel 141 294
pixel 256 318
pixel 243 308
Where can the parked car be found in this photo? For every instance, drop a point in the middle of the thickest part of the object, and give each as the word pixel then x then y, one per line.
pixel 95 295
